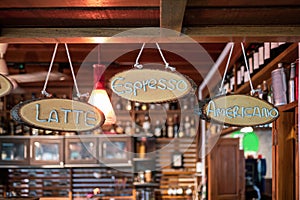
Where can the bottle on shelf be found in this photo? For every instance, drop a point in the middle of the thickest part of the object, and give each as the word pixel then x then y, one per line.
pixel 128 128
pixel 255 60
pixel 146 123
pixel 279 85
pixel 270 96
pixel 265 90
pixel 158 129
pixel 137 106
pixel 176 126
pixel 128 106
pixel 187 126
pixel 181 132
pixel 261 57
pixel 170 127
pixel 291 87
pixel 267 52
pixel 193 131
pixel 296 80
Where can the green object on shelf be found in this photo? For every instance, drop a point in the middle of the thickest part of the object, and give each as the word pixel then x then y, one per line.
pixel 250 142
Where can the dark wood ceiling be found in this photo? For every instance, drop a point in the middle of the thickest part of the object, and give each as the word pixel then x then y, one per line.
pixel 31 27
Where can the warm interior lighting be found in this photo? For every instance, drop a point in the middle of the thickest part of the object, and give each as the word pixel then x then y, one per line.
pixel 99 96
pixel 246 130
pixel 3 65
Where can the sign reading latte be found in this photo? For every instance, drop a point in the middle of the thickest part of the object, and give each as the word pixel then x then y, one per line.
pixel 149 86
pixel 5 86
pixel 58 114
pixel 240 110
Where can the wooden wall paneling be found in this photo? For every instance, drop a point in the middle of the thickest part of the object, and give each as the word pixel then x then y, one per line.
pixel 284 157
pixel 224 166
pixel 166 176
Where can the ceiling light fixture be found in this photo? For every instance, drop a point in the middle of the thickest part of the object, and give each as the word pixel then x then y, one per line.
pixel 99 96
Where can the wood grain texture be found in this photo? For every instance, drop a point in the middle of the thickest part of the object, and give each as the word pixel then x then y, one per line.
pixel 172 13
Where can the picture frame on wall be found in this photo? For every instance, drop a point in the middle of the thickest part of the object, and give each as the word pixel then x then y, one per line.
pixel 177 160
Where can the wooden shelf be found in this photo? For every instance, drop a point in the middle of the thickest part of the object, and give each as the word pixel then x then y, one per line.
pixel 287 56
pixel 142 159
pixel 146 184
pixel 287 107
pixel 178 172
pixel 177 197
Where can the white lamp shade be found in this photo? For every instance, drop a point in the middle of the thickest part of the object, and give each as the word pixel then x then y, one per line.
pixel 3 67
pixel 100 99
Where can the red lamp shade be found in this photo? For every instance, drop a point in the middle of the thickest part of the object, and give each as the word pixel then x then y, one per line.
pixel 99 96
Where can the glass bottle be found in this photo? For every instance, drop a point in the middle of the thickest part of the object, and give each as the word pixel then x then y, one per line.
pixel 128 128
pixel 187 126
pixel 193 128
pixel 170 127
pixel 175 126
pixel 146 123
pixel 158 129
pixel 265 90
pixel 291 94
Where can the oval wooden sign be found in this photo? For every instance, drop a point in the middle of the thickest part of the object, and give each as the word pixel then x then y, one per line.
pixel 150 86
pixel 58 114
pixel 5 85
pixel 240 110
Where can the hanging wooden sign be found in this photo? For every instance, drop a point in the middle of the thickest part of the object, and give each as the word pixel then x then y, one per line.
pixel 150 86
pixel 5 85
pixel 239 110
pixel 58 114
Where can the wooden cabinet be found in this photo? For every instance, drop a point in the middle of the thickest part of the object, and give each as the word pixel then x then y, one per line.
pixel 14 151
pixel 226 171
pixel 285 168
pixel 115 150
pixel 81 150
pixel 46 150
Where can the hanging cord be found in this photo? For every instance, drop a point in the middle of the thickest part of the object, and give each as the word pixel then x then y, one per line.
pixel 248 72
pixel 137 64
pixel 162 56
pixel 221 91
pixel 44 92
pixel 72 70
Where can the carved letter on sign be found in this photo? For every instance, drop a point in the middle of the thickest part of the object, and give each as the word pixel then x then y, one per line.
pixel 58 114
pixel 239 110
pixel 150 86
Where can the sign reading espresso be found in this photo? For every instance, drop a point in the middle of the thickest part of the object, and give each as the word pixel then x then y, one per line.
pixel 149 86
pixel 58 114
pixel 240 110
pixel 5 86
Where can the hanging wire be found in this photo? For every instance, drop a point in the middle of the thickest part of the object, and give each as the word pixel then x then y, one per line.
pixel 248 72
pixel 72 70
pixel 44 92
pixel 162 56
pixel 137 64
pixel 221 91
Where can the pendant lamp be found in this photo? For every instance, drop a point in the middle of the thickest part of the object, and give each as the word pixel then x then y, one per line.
pixel 99 96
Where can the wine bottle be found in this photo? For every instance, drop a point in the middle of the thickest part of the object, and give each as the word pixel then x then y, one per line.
pixel 265 90
pixel 170 127
pixel 158 129
pixel 176 126
pixel 146 123
pixel 291 88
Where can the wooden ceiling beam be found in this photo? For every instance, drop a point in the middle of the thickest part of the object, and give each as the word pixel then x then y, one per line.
pixel 172 13
pixel 149 35
pixel 77 3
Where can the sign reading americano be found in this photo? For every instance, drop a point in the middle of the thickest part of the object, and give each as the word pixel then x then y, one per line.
pixel 149 86
pixel 240 110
